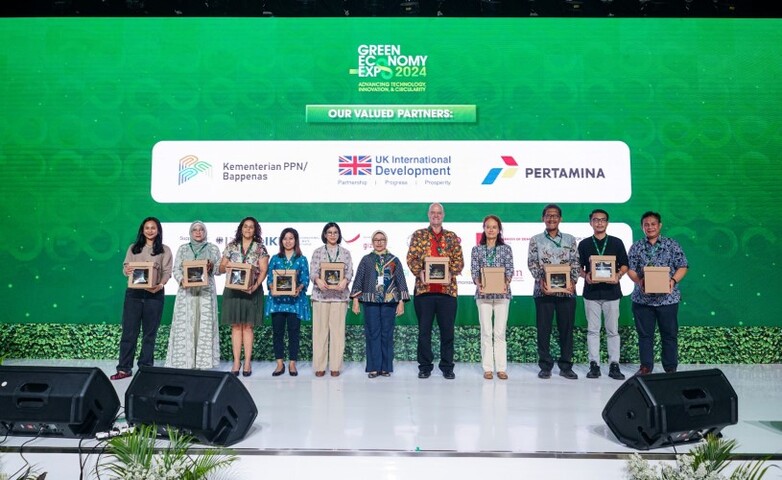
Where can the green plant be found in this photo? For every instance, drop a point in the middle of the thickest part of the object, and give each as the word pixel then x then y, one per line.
pixel 140 455
pixel 707 461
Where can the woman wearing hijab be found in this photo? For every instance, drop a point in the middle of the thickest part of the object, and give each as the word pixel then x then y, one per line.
pixel 380 285
pixel 194 340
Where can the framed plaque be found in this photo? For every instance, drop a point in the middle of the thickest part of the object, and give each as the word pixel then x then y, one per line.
pixel 603 268
pixel 144 275
pixel 436 270
pixel 284 282
pixel 238 276
pixel 195 273
pixel 558 277
pixel 493 280
pixel 657 280
pixel 332 273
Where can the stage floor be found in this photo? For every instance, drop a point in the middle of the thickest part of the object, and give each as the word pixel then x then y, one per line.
pixel 468 424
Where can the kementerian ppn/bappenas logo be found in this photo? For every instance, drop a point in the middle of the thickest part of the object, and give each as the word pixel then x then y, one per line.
pixel 507 172
pixel 190 166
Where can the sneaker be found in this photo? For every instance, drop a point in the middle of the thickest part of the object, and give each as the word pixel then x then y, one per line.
pixel 544 374
pixel 594 370
pixel 569 374
pixel 643 371
pixel 614 372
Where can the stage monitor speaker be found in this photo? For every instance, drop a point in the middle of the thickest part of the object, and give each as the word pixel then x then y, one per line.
pixel 214 407
pixel 660 409
pixel 56 401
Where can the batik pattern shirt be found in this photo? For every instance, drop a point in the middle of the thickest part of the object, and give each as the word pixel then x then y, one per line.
pixel 559 250
pixel 665 252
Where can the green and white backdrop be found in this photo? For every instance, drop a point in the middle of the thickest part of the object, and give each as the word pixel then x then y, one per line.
pixel 106 121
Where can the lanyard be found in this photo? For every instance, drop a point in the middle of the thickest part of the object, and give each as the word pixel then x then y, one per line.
pixel 439 240
pixel 199 250
pixel 245 253
pixel 288 262
pixel 557 243
pixel 651 254
pixel 379 264
pixel 599 250
pixel 490 254
pixel 329 255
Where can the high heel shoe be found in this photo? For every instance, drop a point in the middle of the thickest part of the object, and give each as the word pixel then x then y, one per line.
pixel 235 373
pixel 247 373
pixel 277 373
pixel 292 371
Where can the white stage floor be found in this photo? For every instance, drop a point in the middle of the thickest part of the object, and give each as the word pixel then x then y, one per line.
pixel 402 426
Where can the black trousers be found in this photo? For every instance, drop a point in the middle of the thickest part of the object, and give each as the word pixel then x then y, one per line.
pixel 142 311
pixel 565 309
pixel 281 320
pixel 429 307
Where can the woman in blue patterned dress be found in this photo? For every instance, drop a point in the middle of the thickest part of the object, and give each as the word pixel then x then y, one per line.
pixel 288 310
pixel 380 285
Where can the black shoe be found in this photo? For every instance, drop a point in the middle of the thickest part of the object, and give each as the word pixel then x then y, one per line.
pixel 372 375
pixel 449 375
pixel 544 374
pixel 569 374
pixel 670 370
pixel 594 370
pixel 614 372
pixel 423 374
pixel 385 374
pixel 247 373
pixel 277 373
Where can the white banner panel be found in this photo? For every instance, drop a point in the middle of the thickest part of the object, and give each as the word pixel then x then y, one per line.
pixel 356 237
pixel 390 171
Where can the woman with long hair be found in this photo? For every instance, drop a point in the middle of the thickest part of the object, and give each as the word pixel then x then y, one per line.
pixel 288 310
pixel 492 252
pixel 143 308
pixel 242 309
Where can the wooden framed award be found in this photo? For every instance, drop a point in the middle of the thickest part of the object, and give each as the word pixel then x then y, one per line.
pixel 493 280
pixel 195 273
pixel 284 282
pixel 144 275
pixel 238 276
pixel 332 273
pixel 603 268
pixel 436 270
pixel 558 278
pixel 657 280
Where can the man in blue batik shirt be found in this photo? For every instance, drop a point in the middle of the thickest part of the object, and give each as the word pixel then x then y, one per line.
pixel 660 309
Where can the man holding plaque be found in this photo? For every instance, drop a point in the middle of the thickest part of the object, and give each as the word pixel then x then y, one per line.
pixel 603 263
pixel 661 309
pixel 435 290
pixel 554 248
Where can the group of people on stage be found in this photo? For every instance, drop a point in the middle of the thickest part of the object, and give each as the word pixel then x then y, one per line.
pixel 379 286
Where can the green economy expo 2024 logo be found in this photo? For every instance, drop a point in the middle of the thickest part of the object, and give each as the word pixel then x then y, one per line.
pixel 386 68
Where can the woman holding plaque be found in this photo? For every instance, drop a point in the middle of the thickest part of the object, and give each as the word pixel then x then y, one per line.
pixel 143 307
pixel 194 341
pixel 491 268
pixel 288 304
pixel 380 285
pixel 331 269
pixel 242 308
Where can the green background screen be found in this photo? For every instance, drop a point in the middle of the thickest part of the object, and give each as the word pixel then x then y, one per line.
pixel 83 102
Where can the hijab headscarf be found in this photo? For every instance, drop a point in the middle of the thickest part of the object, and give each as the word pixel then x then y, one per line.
pixel 193 243
pixel 372 238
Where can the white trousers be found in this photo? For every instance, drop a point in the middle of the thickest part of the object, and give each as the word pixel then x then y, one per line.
pixel 494 351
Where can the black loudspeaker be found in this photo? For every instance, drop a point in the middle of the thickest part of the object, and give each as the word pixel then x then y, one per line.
pixel 56 401
pixel 660 409
pixel 214 407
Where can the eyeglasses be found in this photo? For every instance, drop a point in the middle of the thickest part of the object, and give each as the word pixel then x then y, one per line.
pixel 332 233
pixel 551 217
pixel 599 220
pixel 379 240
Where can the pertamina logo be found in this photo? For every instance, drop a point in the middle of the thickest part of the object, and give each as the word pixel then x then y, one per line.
pixel 507 172
pixel 190 166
